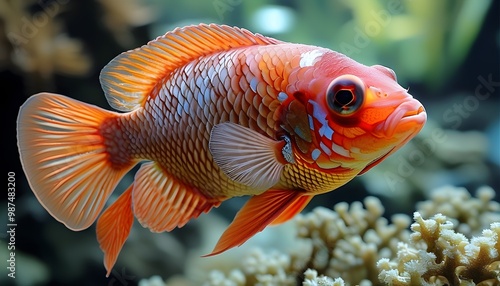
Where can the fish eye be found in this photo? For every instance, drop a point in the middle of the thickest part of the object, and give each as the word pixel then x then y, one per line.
pixel 345 94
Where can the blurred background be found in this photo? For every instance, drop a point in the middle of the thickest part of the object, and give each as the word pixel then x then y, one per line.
pixel 445 52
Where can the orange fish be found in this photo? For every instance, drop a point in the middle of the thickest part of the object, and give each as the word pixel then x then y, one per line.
pixel 216 112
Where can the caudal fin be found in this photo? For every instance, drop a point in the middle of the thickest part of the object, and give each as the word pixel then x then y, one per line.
pixel 64 157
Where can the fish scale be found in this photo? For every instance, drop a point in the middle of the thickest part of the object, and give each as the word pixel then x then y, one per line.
pixel 211 112
pixel 175 157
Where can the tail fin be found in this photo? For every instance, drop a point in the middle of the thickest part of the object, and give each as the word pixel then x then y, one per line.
pixel 64 157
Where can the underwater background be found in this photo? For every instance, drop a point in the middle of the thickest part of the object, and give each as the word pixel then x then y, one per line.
pixel 446 52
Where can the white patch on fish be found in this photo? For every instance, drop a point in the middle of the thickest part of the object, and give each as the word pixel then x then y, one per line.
pixel 320 115
pixel 325 148
pixel 340 150
pixel 309 58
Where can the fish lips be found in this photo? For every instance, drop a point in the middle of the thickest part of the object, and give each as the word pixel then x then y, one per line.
pixel 408 117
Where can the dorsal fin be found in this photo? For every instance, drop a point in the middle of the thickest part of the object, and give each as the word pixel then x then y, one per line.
pixel 128 79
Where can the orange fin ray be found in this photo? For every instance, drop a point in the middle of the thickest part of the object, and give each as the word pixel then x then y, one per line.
pixel 161 203
pixel 247 156
pixel 129 78
pixel 64 157
pixel 256 214
pixel 113 228
pixel 292 210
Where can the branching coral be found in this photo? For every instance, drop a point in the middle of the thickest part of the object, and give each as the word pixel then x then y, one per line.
pixel 153 281
pixel 438 254
pixel 349 241
pixel 311 278
pixel 469 215
pixel 357 246
pixel 259 268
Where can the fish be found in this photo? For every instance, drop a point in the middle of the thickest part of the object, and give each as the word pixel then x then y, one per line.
pixel 211 112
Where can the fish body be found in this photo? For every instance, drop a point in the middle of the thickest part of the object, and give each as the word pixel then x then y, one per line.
pixel 216 112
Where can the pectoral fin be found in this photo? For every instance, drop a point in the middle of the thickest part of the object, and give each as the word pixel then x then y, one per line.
pixel 257 213
pixel 247 156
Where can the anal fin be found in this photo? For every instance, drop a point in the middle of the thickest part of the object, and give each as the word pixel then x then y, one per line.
pixel 162 203
pixel 257 213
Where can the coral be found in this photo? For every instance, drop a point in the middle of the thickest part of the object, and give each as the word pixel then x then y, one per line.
pixel 469 215
pixel 438 254
pixel 258 268
pixel 153 281
pixel 349 241
pixel 311 278
pixel 355 245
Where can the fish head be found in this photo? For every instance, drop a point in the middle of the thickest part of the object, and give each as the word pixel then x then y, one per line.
pixel 357 115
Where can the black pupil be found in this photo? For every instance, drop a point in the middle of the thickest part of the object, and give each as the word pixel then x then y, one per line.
pixel 344 97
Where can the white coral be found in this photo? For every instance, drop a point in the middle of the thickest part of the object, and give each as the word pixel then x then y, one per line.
pixel 268 268
pixel 311 278
pixel 469 214
pixel 363 248
pixel 435 248
pixel 218 278
pixel 152 281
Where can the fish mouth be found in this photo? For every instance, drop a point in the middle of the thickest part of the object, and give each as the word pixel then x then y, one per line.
pixel 415 112
pixel 407 120
pixel 410 116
